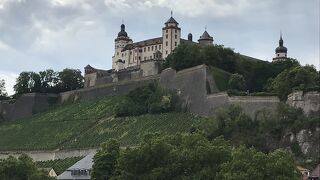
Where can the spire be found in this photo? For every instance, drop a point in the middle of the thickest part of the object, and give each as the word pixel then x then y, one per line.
pixel 281 40
pixel 171 13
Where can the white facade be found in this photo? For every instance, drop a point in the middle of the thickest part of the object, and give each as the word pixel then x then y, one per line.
pixel 129 54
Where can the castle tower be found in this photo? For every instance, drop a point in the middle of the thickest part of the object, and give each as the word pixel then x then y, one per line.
pixel 281 51
pixel 118 61
pixel 171 35
pixel 205 39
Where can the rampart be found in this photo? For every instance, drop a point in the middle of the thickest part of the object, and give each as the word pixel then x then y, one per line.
pixel 193 85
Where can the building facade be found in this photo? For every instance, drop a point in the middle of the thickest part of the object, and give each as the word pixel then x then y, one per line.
pixel 129 54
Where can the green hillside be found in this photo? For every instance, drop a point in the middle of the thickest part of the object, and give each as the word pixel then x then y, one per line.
pixel 86 124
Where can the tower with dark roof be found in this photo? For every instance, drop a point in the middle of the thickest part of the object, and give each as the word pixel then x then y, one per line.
pixel 205 39
pixel 280 51
pixel 120 42
pixel 171 35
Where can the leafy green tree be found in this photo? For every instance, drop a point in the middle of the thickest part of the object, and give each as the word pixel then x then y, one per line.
pixel 237 82
pixel 70 79
pixel 49 80
pixel 249 164
pixel 27 82
pixel 299 77
pixel 20 169
pixel 3 91
pixel 105 160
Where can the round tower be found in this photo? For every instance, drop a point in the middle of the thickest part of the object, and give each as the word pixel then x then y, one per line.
pixel 205 39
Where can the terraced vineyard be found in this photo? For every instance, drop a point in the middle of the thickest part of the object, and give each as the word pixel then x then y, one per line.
pixel 51 129
pixel 87 124
pixel 59 165
pixel 130 130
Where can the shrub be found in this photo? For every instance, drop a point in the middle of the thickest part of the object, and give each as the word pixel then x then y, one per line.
pixel 147 99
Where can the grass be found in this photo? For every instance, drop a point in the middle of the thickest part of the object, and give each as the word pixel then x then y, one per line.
pixel 221 78
pixel 86 124
pixel 59 165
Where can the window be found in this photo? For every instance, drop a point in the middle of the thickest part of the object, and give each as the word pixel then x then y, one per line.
pixel 122 54
pixel 175 43
pixel 155 47
pixel 117 53
pixel 150 57
pixel 175 36
pixel 145 58
pixel 149 48
pixel 166 52
pixel 166 36
pixel 167 31
pixel 166 43
pixel 175 31
pixel 130 52
pixel 144 49
pixel 159 47
pixel 139 58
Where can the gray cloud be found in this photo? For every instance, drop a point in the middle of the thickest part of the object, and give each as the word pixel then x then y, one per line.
pixel 40 34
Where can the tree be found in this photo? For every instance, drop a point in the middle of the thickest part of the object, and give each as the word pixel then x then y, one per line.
pixel 49 80
pixel 70 79
pixel 236 82
pixel 249 164
pixel 298 77
pixel 27 82
pixel 21 168
pixel 105 160
pixel 3 92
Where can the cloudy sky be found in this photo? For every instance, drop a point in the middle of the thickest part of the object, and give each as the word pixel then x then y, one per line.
pixel 41 34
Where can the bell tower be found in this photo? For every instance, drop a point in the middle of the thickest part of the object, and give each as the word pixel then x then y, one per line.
pixel 171 35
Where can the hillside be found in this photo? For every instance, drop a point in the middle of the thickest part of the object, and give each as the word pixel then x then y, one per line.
pixel 87 124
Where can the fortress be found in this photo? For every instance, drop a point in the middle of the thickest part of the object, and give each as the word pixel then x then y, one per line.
pixel 137 64
pixel 133 60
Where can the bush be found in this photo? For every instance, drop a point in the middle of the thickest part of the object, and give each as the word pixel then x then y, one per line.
pixel 237 82
pixel 147 99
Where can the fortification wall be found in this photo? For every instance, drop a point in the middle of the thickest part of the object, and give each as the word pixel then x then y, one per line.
pixel 106 89
pixel 49 155
pixel 308 102
pixel 25 106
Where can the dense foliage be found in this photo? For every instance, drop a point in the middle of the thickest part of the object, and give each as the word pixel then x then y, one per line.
pixel 255 72
pixel 237 82
pixel 20 169
pixel 264 132
pixel 299 77
pixel 58 165
pixel 190 156
pixel 49 81
pixel 147 99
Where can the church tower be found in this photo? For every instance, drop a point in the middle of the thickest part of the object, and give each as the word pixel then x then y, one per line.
pixel 171 35
pixel 118 60
pixel 281 51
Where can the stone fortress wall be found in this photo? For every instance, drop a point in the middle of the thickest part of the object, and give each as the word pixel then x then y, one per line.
pixel 194 86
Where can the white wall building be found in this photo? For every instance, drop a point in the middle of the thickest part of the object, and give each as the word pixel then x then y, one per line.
pixel 129 54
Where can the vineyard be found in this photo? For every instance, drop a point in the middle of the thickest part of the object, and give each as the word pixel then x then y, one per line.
pixel 59 165
pixel 87 124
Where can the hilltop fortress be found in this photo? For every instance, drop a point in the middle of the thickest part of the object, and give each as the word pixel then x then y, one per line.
pixel 137 64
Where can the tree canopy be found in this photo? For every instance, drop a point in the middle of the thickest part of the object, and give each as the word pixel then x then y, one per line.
pixel 49 81
pixel 190 156
pixel 20 169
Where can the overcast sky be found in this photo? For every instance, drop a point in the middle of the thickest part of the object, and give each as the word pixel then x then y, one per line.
pixel 54 34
